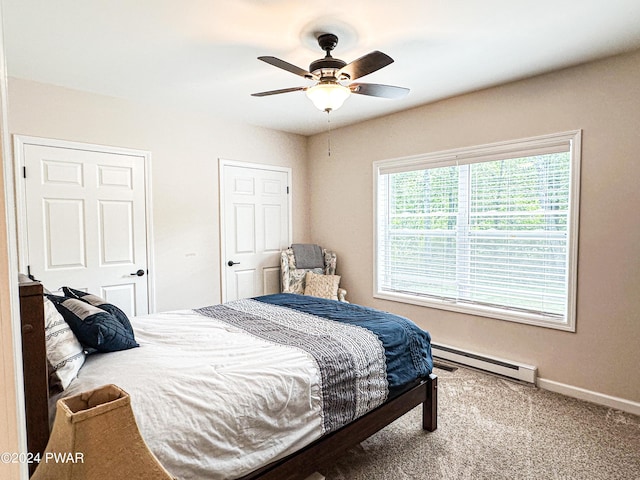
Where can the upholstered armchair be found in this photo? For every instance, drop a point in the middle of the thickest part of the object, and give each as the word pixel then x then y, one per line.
pixel 294 279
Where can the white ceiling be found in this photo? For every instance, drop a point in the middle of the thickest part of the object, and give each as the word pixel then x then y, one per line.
pixel 201 54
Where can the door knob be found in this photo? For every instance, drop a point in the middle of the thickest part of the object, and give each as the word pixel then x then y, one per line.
pixel 231 263
pixel 139 273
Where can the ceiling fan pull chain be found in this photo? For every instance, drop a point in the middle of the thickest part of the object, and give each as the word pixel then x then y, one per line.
pixel 328 132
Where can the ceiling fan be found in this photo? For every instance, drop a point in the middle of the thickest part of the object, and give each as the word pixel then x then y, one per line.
pixel 335 78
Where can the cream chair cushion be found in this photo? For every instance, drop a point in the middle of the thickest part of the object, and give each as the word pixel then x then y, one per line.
pixel 324 286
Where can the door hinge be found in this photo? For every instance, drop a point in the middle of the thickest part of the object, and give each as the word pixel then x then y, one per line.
pixel 24 172
pixel 287 189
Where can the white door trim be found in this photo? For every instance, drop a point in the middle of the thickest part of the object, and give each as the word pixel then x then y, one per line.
pixel 221 195
pixel 11 398
pixel 20 141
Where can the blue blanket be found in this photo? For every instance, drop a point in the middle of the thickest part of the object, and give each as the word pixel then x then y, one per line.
pixel 407 347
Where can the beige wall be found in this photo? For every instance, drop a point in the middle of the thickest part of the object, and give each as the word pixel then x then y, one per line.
pixel 602 99
pixel 185 148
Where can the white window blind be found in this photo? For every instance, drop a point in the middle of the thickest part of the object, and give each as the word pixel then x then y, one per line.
pixel 486 233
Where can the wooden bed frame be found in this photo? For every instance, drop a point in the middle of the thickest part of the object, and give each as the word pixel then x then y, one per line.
pixel 296 466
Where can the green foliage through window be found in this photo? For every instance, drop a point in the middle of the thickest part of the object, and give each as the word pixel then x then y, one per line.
pixel 494 233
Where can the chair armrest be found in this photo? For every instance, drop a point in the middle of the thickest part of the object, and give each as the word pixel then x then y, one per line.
pixel 342 293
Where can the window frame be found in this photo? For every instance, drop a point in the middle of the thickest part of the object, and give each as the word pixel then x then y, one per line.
pixel 482 153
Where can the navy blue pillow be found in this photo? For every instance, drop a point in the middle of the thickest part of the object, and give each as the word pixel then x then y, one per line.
pixel 96 329
pixel 96 301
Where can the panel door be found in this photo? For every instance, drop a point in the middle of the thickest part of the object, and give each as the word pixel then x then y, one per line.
pixel 256 228
pixel 86 223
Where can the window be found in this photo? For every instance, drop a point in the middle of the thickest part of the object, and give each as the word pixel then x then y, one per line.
pixel 489 230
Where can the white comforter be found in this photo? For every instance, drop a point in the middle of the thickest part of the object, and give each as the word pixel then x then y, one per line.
pixel 211 401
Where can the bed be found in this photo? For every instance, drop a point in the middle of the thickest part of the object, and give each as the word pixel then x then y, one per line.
pixel 334 418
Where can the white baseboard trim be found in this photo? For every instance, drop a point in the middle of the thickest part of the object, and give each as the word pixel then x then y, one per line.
pixel 590 396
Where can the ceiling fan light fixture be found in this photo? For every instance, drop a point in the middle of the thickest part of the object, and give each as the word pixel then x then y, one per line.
pixel 328 96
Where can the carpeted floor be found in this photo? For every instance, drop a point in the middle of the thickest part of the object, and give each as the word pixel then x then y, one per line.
pixel 493 428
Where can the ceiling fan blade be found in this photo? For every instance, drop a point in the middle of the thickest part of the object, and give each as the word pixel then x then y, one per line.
pixel 276 62
pixel 367 64
pixel 276 92
pixel 377 90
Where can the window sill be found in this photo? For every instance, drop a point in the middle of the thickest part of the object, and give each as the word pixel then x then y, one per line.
pixel 537 320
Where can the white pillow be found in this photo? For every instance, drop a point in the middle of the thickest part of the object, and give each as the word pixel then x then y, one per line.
pixel 64 352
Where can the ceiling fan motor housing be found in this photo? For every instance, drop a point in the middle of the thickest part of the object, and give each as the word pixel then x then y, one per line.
pixel 320 67
pixel 328 66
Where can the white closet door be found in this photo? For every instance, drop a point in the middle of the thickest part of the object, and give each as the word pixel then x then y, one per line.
pixel 255 204
pixel 86 222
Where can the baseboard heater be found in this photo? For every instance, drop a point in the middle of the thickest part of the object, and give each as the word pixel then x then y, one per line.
pixel 526 373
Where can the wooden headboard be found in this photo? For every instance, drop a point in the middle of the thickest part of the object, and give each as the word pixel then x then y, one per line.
pixel 34 364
